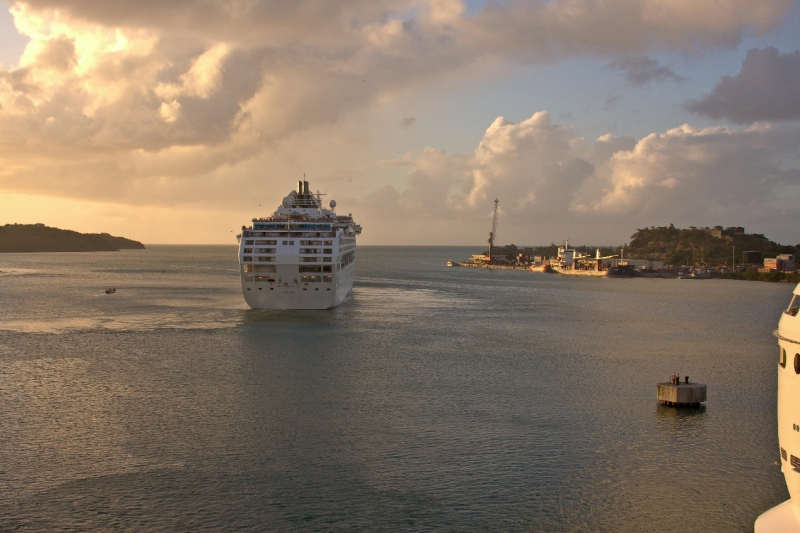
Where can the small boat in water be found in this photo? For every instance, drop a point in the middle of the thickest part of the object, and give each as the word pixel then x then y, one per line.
pixel 112 290
pixel 452 264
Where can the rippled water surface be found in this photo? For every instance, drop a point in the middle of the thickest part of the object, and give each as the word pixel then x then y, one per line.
pixel 434 398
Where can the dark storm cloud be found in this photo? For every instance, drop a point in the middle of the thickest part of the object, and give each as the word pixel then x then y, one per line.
pixel 640 71
pixel 767 88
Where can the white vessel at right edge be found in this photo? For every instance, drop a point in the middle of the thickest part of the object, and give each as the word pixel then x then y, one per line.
pixel 785 518
pixel 300 257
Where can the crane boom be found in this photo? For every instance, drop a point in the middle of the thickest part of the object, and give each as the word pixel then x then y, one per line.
pixel 493 233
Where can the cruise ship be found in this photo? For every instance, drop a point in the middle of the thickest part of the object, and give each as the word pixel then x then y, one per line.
pixel 300 257
pixel 785 518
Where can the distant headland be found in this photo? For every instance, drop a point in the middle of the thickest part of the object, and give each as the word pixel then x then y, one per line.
pixel 664 251
pixel 21 238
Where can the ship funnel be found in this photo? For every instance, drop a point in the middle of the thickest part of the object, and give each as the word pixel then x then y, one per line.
pixel 299 187
pixel 305 187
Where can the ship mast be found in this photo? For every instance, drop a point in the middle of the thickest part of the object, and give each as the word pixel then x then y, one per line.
pixel 493 233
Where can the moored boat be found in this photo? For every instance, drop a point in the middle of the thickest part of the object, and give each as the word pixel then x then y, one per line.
pixel 573 263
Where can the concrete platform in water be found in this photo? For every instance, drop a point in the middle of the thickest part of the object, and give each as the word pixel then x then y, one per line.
pixel 679 394
pixel 491 265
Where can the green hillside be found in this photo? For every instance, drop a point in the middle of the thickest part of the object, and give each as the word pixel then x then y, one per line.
pixel 693 246
pixel 18 238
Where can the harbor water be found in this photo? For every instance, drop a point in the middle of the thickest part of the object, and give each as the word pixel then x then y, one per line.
pixel 433 399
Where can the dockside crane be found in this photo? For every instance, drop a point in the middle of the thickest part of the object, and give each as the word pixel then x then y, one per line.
pixel 493 233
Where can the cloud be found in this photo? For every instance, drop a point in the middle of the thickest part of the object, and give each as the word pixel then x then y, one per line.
pixel 640 71
pixel 541 29
pixel 550 180
pixel 157 102
pixel 767 88
pixel 158 74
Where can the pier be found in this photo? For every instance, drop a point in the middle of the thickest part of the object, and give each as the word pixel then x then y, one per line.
pixel 677 394
pixel 493 265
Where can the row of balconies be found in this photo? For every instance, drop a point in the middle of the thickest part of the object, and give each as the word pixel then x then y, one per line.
pixel 259 250
pixel 271 259
pixel 316 251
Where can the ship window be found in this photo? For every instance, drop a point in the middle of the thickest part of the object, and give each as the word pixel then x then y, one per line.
pixel 783 357
pixel 310 269
pixel 797 363
pixel 248 242
pixel 328 243
pixel 327 279
pixel 248 250
pixel 247 258
pixel 327 251
pixel 248 278
pixel 327 259
pixel 326 268
pixel 247 268
pixel 794 306
pixel 263 268
pixel 291 243
pixel 285 242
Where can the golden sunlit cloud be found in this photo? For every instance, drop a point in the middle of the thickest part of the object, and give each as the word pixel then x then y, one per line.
pixel 168 108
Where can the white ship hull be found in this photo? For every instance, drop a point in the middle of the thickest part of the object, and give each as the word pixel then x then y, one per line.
pixel 301 257
pixel 571 272
pixel 297 295
pixel 785 518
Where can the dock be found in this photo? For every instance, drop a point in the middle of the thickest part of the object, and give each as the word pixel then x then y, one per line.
pixel 677 394
pixel 492 265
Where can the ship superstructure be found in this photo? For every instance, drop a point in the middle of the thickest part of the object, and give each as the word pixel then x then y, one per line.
pixel 785 518
pixel 574 263
pixel 300 257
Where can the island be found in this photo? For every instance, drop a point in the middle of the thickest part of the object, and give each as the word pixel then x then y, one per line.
pixel 22 238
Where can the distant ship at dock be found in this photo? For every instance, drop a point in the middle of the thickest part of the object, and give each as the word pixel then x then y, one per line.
pixel 572 263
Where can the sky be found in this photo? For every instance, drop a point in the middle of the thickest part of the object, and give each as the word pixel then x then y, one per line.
pixel 177 122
